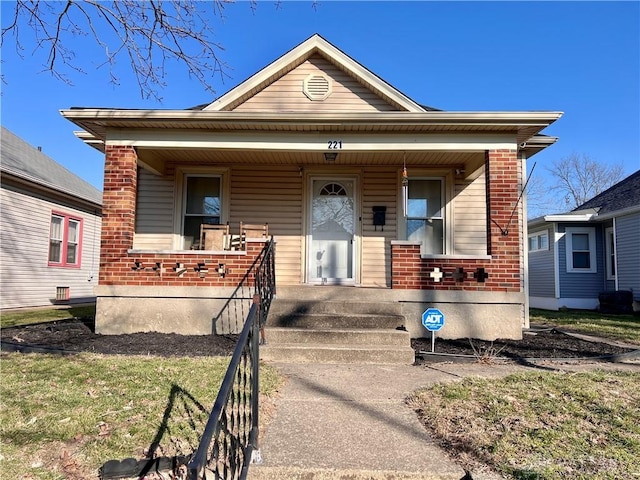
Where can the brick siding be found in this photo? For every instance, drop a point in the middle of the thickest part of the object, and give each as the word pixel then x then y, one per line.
pixel 410 271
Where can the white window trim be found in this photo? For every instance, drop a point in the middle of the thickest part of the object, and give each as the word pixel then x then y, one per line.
pixel 569 231
pixel 609 231
pixel 447 194
pixel 181 175
pixel 537 236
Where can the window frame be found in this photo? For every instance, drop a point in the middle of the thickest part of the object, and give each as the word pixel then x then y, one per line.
pixel 591 232
pixel 610 252
pixel 444 212
pixel 537 236
pixel 182 176
pixel 65 241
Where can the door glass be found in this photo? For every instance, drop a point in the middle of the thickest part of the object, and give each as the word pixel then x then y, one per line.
pixel 332 231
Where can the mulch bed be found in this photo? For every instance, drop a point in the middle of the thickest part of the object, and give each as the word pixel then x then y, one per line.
pixel 79 336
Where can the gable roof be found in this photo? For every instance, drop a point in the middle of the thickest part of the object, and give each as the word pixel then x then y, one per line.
pixel 23 161
pixel 295 57
pixel 624 194
pixel 621 198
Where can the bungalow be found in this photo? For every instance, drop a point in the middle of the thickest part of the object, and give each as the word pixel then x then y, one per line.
pixel 367 194
pixel 576 256
pixel 49 229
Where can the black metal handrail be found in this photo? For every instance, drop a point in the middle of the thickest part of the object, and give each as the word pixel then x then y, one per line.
pixel 231 434
pixel 259 279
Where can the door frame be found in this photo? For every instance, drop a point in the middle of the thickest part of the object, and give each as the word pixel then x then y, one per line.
pixel 308 277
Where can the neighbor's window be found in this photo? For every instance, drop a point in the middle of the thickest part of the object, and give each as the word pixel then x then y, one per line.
pixel 64 240
pixel 202 204
pixel 581 250
pixel 425 214
pixel 538 241
pixel 610 246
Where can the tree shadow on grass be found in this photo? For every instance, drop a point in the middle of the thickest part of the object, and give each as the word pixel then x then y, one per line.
pixel 173 444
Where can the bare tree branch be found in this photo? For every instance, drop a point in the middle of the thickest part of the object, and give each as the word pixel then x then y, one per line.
pixel 579 178
pixel 151 35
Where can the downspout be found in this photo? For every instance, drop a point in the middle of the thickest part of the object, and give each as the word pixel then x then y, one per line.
pixel 556 263
pixel 615 255
pixel 525 243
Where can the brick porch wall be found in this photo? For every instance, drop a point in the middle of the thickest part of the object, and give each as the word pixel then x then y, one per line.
pixel 504 269
pixel 119 267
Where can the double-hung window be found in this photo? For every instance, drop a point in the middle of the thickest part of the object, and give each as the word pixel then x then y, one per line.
pixel 581 250
pixel 202 204
pixel 538 241
pixel 65 236
pixel 425 213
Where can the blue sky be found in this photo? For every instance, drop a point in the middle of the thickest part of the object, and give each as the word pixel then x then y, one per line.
pixel 581 58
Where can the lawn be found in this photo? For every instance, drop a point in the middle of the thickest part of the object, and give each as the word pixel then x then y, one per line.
pixel 540 425
pixel 624 328
pixel 27 316
pixel 62 417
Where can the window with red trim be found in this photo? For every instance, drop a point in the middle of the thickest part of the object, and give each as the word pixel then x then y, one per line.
pixel 65 240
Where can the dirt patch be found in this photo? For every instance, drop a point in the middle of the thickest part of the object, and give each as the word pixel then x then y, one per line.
pixel 537 343
pixel 79 336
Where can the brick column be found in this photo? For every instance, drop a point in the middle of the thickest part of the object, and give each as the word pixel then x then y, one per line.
pixel 118 210
pixel 504 231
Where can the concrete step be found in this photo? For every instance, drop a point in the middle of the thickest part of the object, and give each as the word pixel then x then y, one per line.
pixel 260 472
pixel 335 336
pixel 335 320
pixel 303 305
pixel 337 353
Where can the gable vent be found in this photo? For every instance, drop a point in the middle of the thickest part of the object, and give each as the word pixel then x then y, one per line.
pixel 317 86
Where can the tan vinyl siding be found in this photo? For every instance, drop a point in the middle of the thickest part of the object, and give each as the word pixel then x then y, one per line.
pixel 272 195
pixel 154 212
pixel 470 217
pixel 286 94
pixel 378 188
pixel 27 279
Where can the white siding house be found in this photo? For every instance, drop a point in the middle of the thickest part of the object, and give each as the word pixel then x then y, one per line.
pixel 49 230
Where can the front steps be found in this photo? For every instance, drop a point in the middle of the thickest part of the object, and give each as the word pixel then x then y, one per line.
pixel 335 325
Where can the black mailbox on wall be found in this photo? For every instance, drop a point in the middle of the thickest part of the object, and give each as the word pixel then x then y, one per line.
pixel 379 213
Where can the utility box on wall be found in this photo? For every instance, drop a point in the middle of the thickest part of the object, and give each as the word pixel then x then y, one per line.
pixel 379 216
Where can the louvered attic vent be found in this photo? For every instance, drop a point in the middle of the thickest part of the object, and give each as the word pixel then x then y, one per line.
pixel 317 86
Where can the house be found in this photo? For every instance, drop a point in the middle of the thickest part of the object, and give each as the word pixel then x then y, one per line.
pixel 575 256
pixel 367 194
pixel 49 229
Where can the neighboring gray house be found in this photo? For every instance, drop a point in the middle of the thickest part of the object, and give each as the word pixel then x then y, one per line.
pixel 50 222
pixel 575 256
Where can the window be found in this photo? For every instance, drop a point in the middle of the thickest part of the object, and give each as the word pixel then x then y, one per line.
pixel 610 247
pixel 425 214
pixel 581 250
pixel 202 204
pixel 539 241
pixel 64 240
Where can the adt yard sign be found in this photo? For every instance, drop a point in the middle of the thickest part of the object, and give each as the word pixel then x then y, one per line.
pixel 433 319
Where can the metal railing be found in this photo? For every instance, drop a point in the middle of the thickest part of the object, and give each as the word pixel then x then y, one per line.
pixel 230 436
pixel 259 279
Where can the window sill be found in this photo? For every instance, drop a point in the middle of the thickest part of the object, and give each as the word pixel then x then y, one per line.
pixel 186 252
pixel 455 257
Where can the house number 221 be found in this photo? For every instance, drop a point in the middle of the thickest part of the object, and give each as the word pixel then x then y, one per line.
pixel 334 144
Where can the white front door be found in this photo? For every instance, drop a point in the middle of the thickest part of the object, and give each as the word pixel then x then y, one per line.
pixel 332 228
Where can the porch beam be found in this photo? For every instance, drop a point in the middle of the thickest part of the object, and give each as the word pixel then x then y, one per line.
pixel 315 142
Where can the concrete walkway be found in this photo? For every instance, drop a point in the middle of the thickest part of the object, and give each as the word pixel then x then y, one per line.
pixel 351 422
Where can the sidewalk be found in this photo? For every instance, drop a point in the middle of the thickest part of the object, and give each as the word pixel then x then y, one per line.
pixel 350 422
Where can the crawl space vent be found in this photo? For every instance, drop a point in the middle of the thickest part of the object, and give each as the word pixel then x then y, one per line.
pixel 317 86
